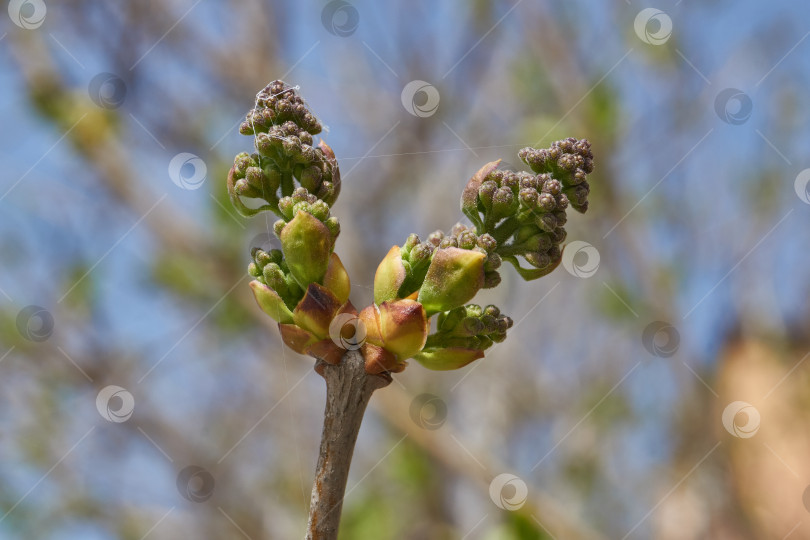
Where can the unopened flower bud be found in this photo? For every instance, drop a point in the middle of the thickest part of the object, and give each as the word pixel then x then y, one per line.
pixel 491 279
pixel 538 259
pixel 435 237
pixel 467 239
pixel 503 203
pixel 453 278
pixel 492 262
pixel 545 202
pixel 487 243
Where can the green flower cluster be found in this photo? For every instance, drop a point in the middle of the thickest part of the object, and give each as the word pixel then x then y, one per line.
pixel 287 168
pixel 304 285
pixel 525 213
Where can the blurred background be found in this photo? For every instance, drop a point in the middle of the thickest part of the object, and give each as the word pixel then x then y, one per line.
pixel 657 388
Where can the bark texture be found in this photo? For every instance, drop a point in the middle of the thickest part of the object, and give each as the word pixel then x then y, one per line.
pixel 348 390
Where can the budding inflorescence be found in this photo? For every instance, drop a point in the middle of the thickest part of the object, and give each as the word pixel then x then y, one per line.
pixel 286 165
pixel 305 287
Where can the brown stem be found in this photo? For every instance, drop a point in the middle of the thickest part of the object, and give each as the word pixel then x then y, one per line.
pixel 348 390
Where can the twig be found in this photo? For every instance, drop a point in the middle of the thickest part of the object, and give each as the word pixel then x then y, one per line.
pixel 348 390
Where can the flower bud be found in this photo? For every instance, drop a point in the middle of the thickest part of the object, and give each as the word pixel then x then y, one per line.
pixel 453 278
pixel 470 195
pixel 491 280
pixel 436 237
pixel 467 240
pixel 538 259
pixel 487 242
pixel 410 243
pixel 404 327
pixel 389 276
pixel 307 244
pixel 270 302
pixel 503 203
pixel 445 359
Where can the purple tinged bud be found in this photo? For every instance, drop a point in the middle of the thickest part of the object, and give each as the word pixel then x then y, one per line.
pixel 467 240
pixel 552 186
pixel 538 259
pixel 491 279
pixel 547 222
pixel 492 262
pixel 420 253
pixel 435 237
pixel 458 228
pixel 510 181
pixel 255 177
pixel 486 193
pixel 448 241
pixel 503 203
pixel 474 310
pixel 471 326
pixel 545 202
pixel 528 197
pixel 487 242
pixel 492 310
